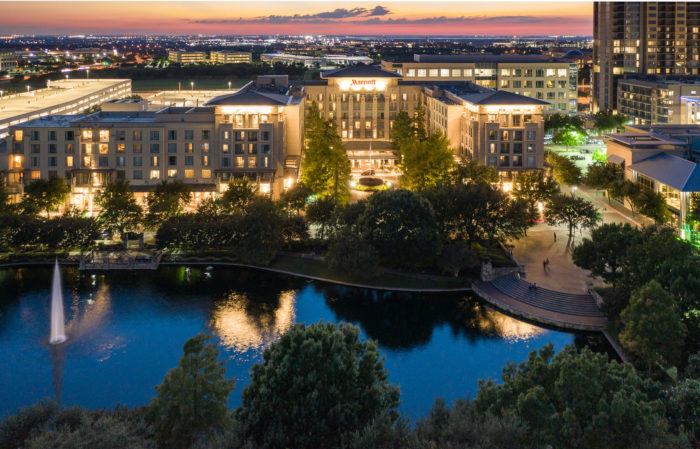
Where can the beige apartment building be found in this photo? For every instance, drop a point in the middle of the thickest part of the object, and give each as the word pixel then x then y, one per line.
pixel 254 133
pixel 187 57
pixel 539 77
pixel 501 129
pixel 230 57
pixel 652 99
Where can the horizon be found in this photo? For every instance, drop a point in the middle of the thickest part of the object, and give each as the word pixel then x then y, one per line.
pixel 388 19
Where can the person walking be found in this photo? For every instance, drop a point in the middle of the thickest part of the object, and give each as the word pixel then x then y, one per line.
pixel 555 236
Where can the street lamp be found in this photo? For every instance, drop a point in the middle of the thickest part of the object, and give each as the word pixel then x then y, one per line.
pixel 88 73
pixel 28 87
pixel 229 85
pixel 573 189
pixel 192 84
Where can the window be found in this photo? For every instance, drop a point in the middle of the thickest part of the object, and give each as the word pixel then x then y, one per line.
pixel 52 161
pixel 492 161
pixel 539 84
pixel 225 135
pixel 251 162
pixel 238 148
pixel 138 161
pixel 136 135
pixel 172 147
pixel 69 161
pixel 206 174
pixel 35 161
pixel 103 148
pixel 87 148
pixel 155 135
pixel 172 134
pixel 504 161
pixel 172 173
pixel 505 148
pixel 456 73
pixel 252 148
pixel 87 134
pixel 253 135
pixel 155 148
pixel 265 135
pixel 225 148
pixel 411 72
pixel 189 174
pixel 239 136
pixel 189 134
pixel 530 161
pixel 121 147
pixel 205 147
pixel 104 135
pixel 70 135
pixel 52 135
pixel 189 160
pixel 422 73
pixel 468 72
pixel 205 134
pixel 35 135
pixel 52 148
pixel 138 174
pixel 172 160
pixel 121 161
pixel 121 135
pixel 36 148
pixel 155 174
pixel 205 161
pixel 265 148
pixel 225 162
pixel 103 161
pixel 539 73
pixel 154 161
pixel 19 135
pixel 445 73
pixel 530 147
pixel 136 148
pixel 517 148
pixel 239 162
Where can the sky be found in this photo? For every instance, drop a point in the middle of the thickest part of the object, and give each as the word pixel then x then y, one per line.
pixel 423 18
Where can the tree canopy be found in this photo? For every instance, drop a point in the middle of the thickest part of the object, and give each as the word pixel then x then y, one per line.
pixel 573 211
pixel 166 200
pixel 534 187
pixel 44 195
pixel 120 211
pixel 425 163
pixel 315 385
pixel 565 171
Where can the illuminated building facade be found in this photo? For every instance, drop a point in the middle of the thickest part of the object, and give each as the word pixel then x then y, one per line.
pixel 652 99
pixel 496 128
pixel 230 57
pixel 254 133
pixel 187 57
pixel 657 38
pixel 539 77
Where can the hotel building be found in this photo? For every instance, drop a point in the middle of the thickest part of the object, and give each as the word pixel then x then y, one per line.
pixel 535 76
pixel 69 96
pixel 500 129
pixel 187 57
pixel 230 57
pixel 255 132
pixel 657 38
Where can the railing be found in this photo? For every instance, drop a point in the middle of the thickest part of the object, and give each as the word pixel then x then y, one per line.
pixel 93 261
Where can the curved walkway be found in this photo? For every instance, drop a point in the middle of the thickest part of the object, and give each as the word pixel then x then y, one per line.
pixel 566 310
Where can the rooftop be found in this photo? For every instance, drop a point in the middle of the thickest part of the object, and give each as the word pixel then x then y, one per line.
pixel 360 71
pixel 52 121
pixel 43 100
pixel 500 98
pixel 677 172
pixel 250 97
pixel 642 140
pixel 480 57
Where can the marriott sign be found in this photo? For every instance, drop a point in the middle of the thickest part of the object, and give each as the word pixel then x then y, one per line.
pixel 355 82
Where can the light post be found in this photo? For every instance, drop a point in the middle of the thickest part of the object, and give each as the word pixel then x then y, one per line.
pixel 192 84
pixel 229 85
pixel 88 74
pixel 1 93
pixel 28 88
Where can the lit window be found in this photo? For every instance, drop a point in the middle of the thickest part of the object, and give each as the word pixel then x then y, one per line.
pixel 155 174
pixel 172 173
pixel 19 134
pixel 206 174
pixel 104 135
pixel 189 174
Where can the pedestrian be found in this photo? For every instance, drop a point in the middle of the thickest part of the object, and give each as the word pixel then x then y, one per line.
pixel 555 236
pixel 544 265
pixel 547 261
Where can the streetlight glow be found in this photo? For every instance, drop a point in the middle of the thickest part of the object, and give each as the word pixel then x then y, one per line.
pixel 192 84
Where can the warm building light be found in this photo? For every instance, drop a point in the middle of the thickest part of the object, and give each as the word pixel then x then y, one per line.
pixel 265 188
pixel 288 183
pixel 507 186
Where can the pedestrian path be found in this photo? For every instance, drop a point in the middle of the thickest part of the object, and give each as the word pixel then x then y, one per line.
pixel 567 310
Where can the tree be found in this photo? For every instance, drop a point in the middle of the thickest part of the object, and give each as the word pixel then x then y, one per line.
pixel 320 212
pixel 478 213
pixel 349 254
pixel 295 199
pixel 605 121
pixel 419 124
pixel 166 200
pixel 325 166
pixel 556 122
pixel 401 130
pixel 457 256
pixel 44 195
pixel 239 194
pixel 534 187
pixel 71 232
pixel 631 190
pixel 605 252
pixel 472 171
pixel 260 232
pixel 653 328
pixel 573 211
pixel 578 400
pixel 192 399
pixel 605 176
pixel 120 211
pixel 565 171
pixel 568 137
pixel 401 226
pixel 316 384
pixel 425 163
pixel 653 205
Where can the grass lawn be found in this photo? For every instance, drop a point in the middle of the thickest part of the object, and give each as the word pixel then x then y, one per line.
pixel 172 84
pixel 312 267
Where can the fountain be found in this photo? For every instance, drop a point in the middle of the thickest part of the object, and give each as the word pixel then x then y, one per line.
pixel 58 332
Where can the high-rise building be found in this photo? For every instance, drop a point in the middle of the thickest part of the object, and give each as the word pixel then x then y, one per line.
pixel 659 38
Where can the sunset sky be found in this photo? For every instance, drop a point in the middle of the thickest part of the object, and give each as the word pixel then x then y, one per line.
pixel 328 17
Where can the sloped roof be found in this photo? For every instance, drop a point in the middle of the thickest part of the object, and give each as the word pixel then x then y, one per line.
pixel 681 174
pixel 249 98
pixel 499 98
pixel 360 71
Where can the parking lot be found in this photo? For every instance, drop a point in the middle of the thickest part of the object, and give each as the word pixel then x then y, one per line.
pixel 581 155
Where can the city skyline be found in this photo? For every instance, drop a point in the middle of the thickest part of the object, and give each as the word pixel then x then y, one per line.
pixel 299 18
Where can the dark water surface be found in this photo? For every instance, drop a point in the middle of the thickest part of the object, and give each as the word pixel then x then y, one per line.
pixel 126 329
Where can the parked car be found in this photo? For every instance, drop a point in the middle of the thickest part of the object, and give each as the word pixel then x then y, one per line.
pixel 368 173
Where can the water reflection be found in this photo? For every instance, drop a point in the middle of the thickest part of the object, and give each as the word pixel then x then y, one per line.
pixel 405 321
pixel 243 325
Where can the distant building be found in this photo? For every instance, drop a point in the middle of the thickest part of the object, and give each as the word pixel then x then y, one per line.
pixel 653 99
pixel 535 76
pixel 315 61
pixel 230 57
pixel 187 57
pixel 8 61
pixel 657 38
